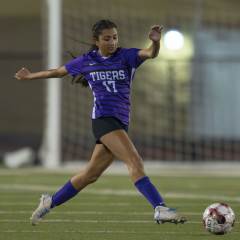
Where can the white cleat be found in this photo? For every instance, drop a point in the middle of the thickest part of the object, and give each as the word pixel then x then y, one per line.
pixel 42 209
pixel 164 214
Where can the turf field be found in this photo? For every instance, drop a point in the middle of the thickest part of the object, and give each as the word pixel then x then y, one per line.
pixel 111 209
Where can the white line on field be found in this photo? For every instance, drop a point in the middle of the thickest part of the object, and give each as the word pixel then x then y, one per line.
pixel 158 168
pixel 90 221
pixel 117 192
pixel 111 231
pixel 112 204
pixel 28 187
pixel 86 221
pixel 96 213
pixel 23 203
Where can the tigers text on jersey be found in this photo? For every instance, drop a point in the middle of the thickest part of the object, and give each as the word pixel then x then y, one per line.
pixel 110 80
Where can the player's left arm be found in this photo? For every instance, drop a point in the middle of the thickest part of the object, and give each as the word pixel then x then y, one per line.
pixel 153 50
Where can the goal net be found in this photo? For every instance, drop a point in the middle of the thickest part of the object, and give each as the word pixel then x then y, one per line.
pixel 185 102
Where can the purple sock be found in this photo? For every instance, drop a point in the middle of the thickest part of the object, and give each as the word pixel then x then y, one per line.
pixel 145 186
pixel 63 194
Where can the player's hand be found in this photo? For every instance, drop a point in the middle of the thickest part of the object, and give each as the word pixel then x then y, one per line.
pixel 23 74
pixel 155 33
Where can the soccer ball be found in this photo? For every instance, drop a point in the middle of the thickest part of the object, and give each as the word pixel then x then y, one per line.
pixel 218 218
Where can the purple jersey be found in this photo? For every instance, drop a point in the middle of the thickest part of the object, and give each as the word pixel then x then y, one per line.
pixel 110 80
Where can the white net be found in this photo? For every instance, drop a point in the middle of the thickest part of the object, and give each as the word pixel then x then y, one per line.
pixel 184 103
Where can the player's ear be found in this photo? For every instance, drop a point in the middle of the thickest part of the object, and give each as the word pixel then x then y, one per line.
pixel 95 41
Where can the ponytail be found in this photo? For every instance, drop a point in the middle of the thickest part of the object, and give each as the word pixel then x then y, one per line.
pixel 80 79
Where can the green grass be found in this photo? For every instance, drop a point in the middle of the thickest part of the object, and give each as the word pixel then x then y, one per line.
pixel 111 209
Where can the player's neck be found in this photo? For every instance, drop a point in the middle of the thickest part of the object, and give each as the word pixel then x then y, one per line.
pixel 104 55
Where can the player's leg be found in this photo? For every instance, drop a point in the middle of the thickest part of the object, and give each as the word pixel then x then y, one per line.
pixel 122 147
pixel 100 160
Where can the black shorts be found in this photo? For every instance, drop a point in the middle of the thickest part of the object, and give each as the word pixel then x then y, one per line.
pixel 104 125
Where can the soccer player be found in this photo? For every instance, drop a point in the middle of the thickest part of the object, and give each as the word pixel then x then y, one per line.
pixel 108 70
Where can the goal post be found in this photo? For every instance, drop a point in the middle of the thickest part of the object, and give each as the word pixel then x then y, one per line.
pixel 51 147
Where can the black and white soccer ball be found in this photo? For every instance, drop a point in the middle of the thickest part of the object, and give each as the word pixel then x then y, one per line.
pixel 218 218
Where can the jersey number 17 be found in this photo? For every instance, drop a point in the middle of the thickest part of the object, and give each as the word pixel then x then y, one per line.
pixel 110 86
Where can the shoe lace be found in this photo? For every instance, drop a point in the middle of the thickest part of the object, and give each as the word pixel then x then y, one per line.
pixel 42 212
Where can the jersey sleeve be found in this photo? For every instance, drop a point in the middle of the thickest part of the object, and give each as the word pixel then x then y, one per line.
pixel 132 58
pixel 74 66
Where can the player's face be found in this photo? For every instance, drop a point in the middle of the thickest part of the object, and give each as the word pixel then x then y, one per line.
pixel 107 41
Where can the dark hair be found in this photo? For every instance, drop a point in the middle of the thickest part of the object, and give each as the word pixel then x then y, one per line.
pixel 97 29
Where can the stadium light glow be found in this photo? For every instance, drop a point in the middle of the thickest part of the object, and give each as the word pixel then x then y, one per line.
pixel 173 40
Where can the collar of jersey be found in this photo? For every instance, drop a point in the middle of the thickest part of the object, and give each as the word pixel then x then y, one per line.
pixel 98 58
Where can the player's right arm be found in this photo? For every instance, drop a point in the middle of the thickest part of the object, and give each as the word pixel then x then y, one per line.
pixel 25 74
